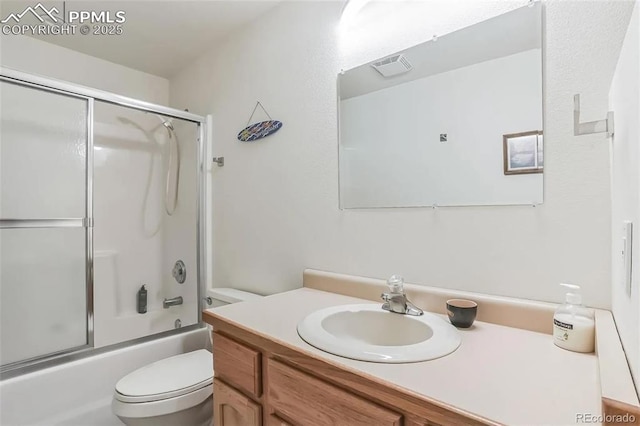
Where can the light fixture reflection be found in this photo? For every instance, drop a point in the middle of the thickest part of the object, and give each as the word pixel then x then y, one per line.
pixel 350 10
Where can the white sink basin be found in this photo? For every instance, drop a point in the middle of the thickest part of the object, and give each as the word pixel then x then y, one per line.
pixel 368 333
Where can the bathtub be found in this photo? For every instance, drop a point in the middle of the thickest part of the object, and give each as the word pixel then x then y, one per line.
pixel 78 393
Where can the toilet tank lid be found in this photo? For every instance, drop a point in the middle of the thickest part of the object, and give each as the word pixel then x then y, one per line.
pixel 232 295
pixel 176 374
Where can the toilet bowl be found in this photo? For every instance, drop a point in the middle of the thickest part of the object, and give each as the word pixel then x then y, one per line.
pixel 172 391
pixel 176 390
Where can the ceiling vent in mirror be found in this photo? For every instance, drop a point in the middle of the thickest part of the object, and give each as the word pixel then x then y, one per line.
pixel 393 65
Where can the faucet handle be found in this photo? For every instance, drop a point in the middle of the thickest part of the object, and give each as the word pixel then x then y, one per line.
pixel 396 284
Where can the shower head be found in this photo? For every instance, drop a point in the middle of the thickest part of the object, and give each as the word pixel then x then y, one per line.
pixel 166 123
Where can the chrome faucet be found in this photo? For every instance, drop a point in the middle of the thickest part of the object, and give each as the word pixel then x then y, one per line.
pixel 167 303
pixel 396 301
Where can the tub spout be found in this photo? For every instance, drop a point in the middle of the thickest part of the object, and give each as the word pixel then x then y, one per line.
pixel 167 303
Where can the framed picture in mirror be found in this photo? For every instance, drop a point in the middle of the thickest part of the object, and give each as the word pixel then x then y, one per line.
pixel 523 152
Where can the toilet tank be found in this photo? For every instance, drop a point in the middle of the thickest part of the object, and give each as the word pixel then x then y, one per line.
pixel 225 296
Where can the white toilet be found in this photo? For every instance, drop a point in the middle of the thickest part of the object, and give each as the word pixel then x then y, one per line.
pixel 176 390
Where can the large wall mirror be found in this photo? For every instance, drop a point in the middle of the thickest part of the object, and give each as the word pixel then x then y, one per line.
pixel 453 121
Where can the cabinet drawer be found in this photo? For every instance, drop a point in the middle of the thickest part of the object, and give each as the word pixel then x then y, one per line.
pixel 310 401
pixel 237 365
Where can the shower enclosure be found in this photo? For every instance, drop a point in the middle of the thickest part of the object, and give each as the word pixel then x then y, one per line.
pixel 99 195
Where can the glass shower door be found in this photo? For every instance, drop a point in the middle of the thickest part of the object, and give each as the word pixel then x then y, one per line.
pixel 45 218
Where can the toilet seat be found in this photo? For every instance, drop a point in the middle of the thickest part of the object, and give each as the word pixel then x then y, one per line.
pixel 161 407
pixel 160 396
pixel 166 386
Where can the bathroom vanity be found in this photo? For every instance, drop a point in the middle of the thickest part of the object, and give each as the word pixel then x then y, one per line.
pixel 258 378
pixel 266 374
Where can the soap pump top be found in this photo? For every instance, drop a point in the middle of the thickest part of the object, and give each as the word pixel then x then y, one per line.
pixel 572 297
pixel 573 302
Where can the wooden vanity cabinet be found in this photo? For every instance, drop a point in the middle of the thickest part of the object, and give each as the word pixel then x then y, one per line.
pixel 261 382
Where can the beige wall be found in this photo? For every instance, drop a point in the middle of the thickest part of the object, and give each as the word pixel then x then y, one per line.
pixel 276 200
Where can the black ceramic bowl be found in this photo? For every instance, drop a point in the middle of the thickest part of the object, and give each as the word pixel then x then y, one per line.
pixel 462 312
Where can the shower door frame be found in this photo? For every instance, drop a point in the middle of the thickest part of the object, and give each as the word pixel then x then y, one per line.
pixel 91 95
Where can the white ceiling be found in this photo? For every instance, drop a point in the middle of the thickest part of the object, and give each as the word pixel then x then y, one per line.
pixel 504 35
pixel 159 37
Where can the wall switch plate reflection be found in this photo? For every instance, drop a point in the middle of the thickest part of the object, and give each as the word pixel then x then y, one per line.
pixel 627 254
pixel 443 137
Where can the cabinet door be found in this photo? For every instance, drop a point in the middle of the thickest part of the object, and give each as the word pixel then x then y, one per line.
pixel 309 401
pixel 231 408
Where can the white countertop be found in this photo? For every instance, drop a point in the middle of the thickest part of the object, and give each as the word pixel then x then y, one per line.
pixel 504 374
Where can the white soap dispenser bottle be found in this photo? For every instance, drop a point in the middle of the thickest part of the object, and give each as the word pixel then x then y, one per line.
pixel 573 323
